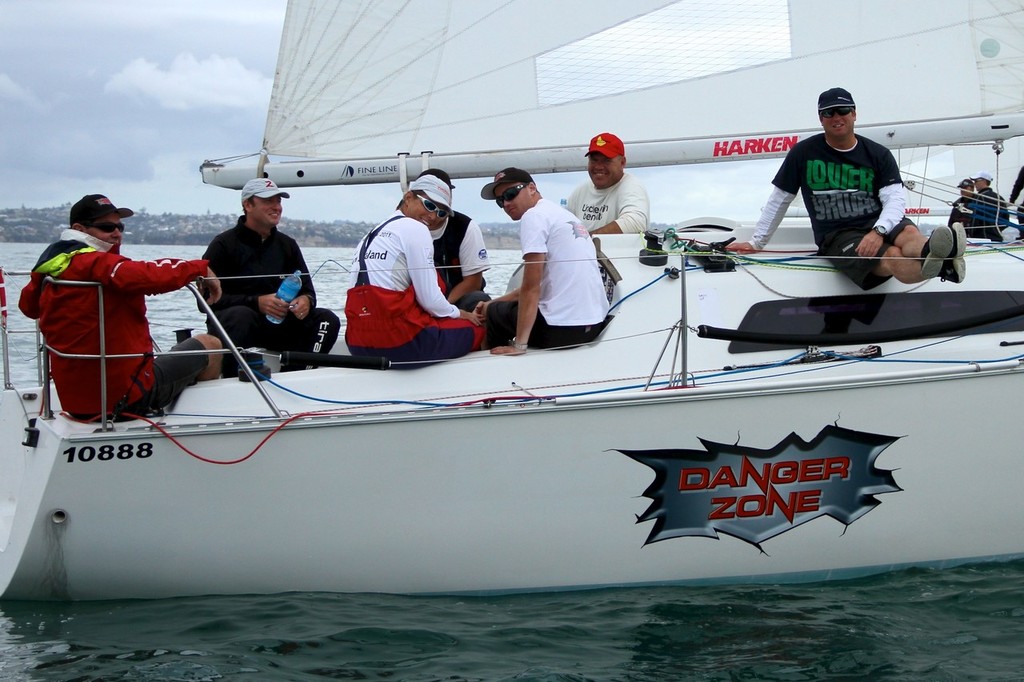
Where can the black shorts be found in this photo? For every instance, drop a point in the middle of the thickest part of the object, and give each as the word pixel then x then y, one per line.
pixel 840 247
pixel 503 316
pixel 171 375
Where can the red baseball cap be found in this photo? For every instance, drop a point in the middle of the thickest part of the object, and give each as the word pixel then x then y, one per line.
pixel 607 144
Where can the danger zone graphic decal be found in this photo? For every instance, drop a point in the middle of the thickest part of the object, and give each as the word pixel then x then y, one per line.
pixel 754 494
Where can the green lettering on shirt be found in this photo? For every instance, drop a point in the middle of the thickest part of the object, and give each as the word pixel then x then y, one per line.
pixel 828 175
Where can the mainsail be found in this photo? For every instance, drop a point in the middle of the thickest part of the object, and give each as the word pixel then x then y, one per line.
pixel 370 91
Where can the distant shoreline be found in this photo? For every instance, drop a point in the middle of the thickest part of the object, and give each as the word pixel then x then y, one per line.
pixel 44 225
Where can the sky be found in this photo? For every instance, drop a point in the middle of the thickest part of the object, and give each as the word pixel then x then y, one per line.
pixel 127 98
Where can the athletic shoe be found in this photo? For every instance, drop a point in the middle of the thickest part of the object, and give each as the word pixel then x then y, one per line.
pixel 937 249
pixel 959 240
pixel 953 270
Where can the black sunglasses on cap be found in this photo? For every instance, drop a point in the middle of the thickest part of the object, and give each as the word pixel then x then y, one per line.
pixel 829 113
pixel 509 194
pixel 106 227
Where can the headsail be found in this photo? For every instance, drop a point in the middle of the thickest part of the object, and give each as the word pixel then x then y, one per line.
pixel 361 84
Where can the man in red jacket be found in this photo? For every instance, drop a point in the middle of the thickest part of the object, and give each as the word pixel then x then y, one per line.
pixel 70 321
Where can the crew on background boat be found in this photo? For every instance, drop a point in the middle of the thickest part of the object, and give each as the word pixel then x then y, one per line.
pixel 561 301
pixel 1015 191
pixel 70 320
pixel 252 257
pixel 460 255
pixel 612 201
pixel 959 211
pixel 854 196
pixel 395 306
pixel 991 214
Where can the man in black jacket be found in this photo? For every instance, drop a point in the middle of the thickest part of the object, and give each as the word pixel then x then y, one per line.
pixel 958 212
pixel 253 256
pixel 991 215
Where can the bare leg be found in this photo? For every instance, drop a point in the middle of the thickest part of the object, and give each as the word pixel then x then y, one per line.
pixel 904 260
pixel 213 364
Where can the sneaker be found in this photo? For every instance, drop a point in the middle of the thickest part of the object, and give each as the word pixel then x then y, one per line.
pixel 953 270
pixel 936 251
pixel 959 240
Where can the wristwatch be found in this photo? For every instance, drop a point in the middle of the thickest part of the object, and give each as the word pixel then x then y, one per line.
pixel 880 230
pixel 517 345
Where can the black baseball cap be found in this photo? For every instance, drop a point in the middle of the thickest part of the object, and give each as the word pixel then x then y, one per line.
pixel 93 206
pixel 506 175
pixel 835 97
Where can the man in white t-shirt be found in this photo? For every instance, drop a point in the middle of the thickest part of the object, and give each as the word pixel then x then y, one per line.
pixel 612 201
pixel 561 301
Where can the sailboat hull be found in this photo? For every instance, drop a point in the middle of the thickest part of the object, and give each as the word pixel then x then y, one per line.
pixel 801 479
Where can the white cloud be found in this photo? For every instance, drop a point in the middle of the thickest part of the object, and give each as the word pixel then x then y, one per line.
pixel 11 91
pixel 213 83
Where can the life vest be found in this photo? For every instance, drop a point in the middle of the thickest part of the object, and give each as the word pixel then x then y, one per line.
pixel 378 317
pixel 446 251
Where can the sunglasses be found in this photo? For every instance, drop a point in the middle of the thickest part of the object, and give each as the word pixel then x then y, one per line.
pixel 829 113
pixel 508 195
pixel 431 206
pixel 106 227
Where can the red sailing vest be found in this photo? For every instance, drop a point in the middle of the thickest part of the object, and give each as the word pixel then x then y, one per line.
pixel 379 317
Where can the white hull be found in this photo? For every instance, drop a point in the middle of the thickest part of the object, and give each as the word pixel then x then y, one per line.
pixel 539 494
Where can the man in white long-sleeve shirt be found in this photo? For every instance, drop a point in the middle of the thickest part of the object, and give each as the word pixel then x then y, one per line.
pixel 612 201
pixel 395 307
pixel 854 195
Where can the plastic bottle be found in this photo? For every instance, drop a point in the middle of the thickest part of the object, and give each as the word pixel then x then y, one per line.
pixel 288 290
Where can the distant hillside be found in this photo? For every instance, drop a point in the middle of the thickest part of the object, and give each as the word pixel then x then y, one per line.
pixel 43 225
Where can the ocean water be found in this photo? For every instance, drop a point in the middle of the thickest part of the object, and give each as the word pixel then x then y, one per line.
pixel 959 624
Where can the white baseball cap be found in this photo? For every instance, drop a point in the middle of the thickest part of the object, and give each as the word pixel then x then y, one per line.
pixel 264 188
pixel 435 188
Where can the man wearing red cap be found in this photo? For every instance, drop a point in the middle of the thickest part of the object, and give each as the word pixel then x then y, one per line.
pixel 69 317
pixel 612 201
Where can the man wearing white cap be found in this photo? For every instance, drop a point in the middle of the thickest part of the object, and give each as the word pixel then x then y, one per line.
pixel 395 307
pixel 991 213
pixel 254 255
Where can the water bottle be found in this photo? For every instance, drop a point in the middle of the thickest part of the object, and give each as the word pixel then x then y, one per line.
pixel 288 290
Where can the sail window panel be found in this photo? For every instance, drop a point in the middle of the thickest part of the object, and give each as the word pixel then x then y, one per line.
pixel 998 26
pixel 686 40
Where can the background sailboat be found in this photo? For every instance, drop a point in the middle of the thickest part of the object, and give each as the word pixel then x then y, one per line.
pixel 372 91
